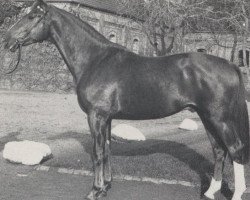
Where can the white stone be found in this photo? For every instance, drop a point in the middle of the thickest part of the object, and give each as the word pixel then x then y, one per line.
pixel 128 132
pixel 188 124
pixel 26 152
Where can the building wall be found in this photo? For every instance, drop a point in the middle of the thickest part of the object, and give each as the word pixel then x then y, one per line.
pixel 194 42
pixel 126 32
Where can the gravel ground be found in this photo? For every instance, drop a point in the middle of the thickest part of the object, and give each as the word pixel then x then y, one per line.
pixel 21 182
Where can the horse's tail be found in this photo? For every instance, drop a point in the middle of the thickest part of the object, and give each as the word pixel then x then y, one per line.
pixel 241 118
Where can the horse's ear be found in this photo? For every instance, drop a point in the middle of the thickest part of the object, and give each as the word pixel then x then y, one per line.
pixel 41 5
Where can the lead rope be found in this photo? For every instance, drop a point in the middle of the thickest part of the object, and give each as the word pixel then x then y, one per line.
pixel 18 61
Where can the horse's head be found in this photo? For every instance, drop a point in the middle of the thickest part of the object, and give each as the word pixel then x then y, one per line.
pixel 32 28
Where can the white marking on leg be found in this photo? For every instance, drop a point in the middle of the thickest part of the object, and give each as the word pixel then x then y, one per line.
pixel 214 187
pixel 239 181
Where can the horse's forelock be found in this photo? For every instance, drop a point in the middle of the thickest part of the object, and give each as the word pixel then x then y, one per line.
pixel 40 5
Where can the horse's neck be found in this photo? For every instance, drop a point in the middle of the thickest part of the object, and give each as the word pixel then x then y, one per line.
pixel 77 47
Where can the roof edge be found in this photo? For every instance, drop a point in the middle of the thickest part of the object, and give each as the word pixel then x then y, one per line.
pixel 74 2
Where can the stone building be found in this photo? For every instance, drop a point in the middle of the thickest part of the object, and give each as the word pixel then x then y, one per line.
pixel 104 17
pixel 204 42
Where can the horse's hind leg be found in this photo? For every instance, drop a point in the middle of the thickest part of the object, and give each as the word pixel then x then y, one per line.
pixel 219 155
pixel 236 150
pixel 224 132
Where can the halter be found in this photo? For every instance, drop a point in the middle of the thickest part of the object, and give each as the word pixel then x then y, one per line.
pixel 20 43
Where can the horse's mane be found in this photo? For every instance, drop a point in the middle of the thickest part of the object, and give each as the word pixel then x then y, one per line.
pixel 88 29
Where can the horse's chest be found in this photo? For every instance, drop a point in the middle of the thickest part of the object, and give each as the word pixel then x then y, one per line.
pixel 102 96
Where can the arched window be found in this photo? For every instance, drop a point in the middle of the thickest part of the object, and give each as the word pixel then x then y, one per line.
pixel 202 50
pixel 240 57
pixel 112 37
pixel 135 47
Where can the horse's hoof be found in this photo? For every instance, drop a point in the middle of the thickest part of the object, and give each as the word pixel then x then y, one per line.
pixel 96 194
pixel 216 196
pixel 107 186
pixel 205 198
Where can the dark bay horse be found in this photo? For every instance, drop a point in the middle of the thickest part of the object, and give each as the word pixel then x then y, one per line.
pixel 114 83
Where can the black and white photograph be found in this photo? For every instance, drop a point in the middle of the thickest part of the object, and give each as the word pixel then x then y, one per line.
pixel 124 99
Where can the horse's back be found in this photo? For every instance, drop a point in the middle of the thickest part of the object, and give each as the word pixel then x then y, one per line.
pixel 166 85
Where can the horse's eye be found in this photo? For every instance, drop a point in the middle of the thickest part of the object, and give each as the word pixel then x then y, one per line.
pixel 31 16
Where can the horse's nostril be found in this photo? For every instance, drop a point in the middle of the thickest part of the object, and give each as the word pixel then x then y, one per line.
pixel 2 40
pixel 6 45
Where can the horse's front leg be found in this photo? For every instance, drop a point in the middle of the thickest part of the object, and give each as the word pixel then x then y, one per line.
pixel 98 126
pixel 107 159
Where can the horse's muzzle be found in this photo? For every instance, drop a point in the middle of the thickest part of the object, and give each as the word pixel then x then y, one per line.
pixel 12 45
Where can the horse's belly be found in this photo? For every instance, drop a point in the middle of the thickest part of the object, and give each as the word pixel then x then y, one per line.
pixel 149 107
